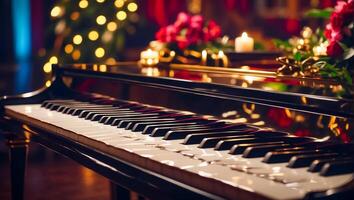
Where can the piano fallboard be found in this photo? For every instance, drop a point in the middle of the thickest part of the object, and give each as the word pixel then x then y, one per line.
pixel 189 172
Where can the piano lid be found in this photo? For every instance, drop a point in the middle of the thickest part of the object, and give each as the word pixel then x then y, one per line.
pixel 262 85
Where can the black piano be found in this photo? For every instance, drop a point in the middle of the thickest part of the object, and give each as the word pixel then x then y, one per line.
pixel 190 132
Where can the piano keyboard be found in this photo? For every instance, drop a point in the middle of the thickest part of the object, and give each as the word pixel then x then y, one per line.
pixel 197 150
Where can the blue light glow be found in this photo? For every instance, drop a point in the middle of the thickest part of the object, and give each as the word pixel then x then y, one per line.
pixel 22 29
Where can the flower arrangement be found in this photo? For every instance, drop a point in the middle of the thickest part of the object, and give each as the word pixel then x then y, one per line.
pixel 189 32
pixel 339 32
pixel 323 54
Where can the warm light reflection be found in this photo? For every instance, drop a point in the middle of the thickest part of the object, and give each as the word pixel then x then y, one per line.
pixel 150 71
pixel 110 61
pixel 249 110
pixel 48 83
pixel 103 68
pixel 88 177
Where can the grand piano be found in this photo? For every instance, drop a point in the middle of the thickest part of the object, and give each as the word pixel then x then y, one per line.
pixel 190 132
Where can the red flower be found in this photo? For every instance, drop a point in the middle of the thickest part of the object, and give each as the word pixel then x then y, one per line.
pixel 166 34
pixel 334 49
pixel 188 30
pixel 337 21
pixel 161 34
pixel 214 31
pixel 183 20
pixel 197 22
pixel 339 7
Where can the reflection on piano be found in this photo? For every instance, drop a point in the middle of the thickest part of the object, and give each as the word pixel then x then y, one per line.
pixel 190 134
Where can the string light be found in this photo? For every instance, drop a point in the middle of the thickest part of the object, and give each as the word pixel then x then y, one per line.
pixel 93 35
pixel 119 3
pixel 99 52
pixel 56 11
pixel 112 26
pixel 53 60
pixel 100 1
pixel 68 48
pixel 74 16
pixel 76 54
pixel 132 7
pixel 101 20
pixel 47 67
pixel 83 4
pixel 121 15
pixel 77 39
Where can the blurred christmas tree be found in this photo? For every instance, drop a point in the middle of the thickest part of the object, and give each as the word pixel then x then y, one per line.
pixel 89 31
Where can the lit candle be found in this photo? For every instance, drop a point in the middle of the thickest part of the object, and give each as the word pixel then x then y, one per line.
pixel 149 57
pixel 244 43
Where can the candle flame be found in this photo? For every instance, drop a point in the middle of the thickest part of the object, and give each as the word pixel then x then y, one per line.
pixel 244 35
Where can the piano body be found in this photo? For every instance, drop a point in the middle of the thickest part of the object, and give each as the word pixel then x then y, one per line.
pixel 190 132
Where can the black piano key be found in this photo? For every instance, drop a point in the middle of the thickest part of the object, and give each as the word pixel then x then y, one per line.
pixel 197 138
pixel 241 148
pixel 166 116
pixel 109 119
pixel 317 165
pixel 118 119
pixel 141 126
pixel 162 130
pixel 332 168
pixel 76 111
pixel 227 144
pixel 212 142
pixel 132 124
pixel 285 156
pixel 306 160
pixel 85 111
pixel 180 134
pixel 98 116
pixel 92 114
pixel 260 151
pixel 124 123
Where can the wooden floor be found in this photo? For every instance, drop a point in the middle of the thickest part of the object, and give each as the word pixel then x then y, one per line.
pixel 52 176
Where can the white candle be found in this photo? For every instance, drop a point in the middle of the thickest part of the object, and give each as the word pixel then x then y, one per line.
pixel 149 57
pixel 244 43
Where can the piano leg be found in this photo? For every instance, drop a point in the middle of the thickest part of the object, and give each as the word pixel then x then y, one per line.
pixel 119 193
pixel 18 150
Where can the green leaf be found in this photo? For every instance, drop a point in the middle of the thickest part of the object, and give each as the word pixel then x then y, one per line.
pixel 259 46
pixel 297 56
pixel 319 13
pixel 281 43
